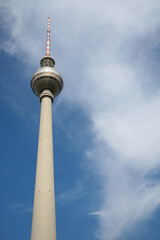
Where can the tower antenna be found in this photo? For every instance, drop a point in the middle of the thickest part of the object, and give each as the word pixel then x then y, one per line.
pixel 48 39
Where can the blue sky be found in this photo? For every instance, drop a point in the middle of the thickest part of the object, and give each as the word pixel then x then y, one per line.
pixel 106 121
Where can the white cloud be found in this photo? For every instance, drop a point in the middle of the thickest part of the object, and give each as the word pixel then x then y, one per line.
pixel 71 195
pixel 105 50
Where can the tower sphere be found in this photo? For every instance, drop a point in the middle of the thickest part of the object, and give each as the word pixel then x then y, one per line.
pixel 46 77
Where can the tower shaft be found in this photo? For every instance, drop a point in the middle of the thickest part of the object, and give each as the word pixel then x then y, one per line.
pixel 43 221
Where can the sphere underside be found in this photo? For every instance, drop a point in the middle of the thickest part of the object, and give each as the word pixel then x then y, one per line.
pixel 47 78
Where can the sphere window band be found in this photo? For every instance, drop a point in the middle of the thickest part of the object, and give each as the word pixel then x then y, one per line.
pixel 47 73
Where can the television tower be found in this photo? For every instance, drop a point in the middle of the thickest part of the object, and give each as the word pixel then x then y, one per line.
pixel 46 83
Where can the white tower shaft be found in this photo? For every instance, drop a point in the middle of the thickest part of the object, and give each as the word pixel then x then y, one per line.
pixel 43 221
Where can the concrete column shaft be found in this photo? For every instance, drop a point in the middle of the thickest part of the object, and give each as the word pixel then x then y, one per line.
pixel 43 221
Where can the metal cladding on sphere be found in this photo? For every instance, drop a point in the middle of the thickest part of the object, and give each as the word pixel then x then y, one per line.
pixel 47 77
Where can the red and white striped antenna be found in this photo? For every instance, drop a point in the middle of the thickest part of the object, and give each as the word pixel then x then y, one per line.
pixel 48 39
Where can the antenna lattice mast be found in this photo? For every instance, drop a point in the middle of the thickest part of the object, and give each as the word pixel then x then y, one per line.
pixel 48 39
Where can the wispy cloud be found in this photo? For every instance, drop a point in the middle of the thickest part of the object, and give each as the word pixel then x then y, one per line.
pixel 21 208
pixel 73 194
